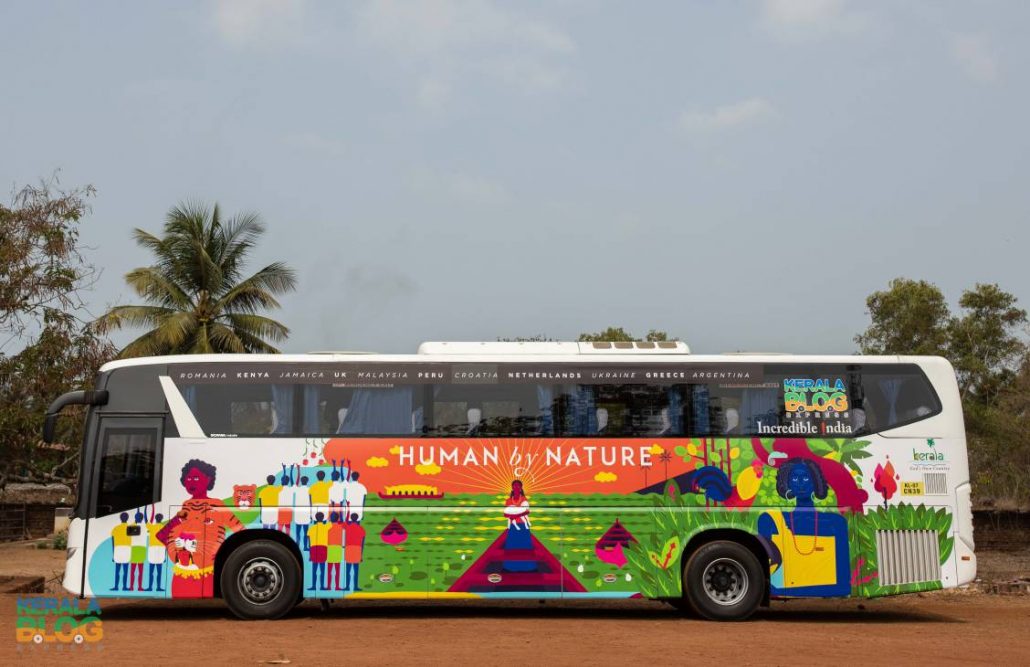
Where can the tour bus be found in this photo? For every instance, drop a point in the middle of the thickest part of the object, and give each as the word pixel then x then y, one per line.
pixel 543 470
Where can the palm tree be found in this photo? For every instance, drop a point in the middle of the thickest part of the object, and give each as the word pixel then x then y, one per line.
pixel 197 299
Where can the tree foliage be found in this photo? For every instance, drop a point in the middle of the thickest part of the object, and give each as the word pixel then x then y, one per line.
pixel 62 358
pixel 42 277
pixel 986 345
pixel 41 269
pixel 909 317
pixel 197 299
pixel 618 334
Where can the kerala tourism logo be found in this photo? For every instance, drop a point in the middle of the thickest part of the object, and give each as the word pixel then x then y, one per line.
pixel 42 621
pixel 931 458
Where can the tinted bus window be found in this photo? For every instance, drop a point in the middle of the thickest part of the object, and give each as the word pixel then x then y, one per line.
pixel 128 469
pixel 814 401
pixel 895 395
pixel 728 410
pixel 632 410
pixel 241 409
pixel 799 400
pixel 495 410
pixel 393 410
pixel 316 410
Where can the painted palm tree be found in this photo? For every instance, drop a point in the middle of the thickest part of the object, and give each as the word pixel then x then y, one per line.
pixel 197 300
pixel 844 450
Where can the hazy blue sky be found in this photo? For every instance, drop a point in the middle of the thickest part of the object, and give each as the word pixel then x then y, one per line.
pixel 741 174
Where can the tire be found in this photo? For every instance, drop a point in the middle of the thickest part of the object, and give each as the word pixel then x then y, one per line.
pixel 724 581
pixel 261 580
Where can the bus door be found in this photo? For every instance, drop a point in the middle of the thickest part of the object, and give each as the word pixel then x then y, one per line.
pixel 124 556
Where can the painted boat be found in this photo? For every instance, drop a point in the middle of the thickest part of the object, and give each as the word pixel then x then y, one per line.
pixel 410 496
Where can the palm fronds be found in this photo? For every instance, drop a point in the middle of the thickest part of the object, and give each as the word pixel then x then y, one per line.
pixel 197 299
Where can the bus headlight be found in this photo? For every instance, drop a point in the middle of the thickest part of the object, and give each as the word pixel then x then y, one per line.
pixel 70 552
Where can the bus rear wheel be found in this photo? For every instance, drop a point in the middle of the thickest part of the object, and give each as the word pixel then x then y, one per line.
pixel 261 580
pixel 723 581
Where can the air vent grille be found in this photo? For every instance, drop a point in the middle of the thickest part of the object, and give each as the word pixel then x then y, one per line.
pixel 908 556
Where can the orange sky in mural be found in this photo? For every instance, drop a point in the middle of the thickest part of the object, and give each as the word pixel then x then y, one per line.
pixel 488 465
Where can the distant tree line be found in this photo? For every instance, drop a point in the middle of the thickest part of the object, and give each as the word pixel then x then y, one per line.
pixel 610 334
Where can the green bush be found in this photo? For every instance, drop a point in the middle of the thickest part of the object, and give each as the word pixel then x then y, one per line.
pixel 60 541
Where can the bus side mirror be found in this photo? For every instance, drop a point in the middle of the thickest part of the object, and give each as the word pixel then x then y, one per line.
pixel 71 398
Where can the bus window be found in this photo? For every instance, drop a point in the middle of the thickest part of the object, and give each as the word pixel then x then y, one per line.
pixel 330 410
pixel 734 410
pixel 254 416
pixel 128 469
pixel 638 410
pixel 242 409
pixel 380 411
pixel 492 410
pixel 325 408
pixel 312 410
pixel 895 395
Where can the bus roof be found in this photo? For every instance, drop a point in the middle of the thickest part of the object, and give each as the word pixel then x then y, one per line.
pixel 503 348
pixel 544 352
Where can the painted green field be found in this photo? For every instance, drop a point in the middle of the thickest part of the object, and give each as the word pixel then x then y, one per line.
pixel 444 540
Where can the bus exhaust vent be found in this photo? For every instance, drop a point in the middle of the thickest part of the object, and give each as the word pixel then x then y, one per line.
pixel 935 483
pixel 908 556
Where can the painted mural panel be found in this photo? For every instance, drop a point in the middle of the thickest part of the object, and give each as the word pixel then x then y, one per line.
pixel 458 517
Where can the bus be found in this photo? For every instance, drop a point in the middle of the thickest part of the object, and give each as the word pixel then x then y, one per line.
pixel 542 470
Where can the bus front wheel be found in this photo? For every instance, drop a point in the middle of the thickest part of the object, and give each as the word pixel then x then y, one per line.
pixel 723 581
pixel 261 580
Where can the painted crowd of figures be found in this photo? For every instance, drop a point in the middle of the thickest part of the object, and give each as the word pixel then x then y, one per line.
pixel 324 517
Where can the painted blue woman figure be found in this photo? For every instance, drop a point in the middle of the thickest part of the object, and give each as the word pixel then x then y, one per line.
pixel 516 511
pixel 812 546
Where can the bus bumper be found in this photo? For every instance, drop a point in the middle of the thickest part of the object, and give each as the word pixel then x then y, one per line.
pixel 72 581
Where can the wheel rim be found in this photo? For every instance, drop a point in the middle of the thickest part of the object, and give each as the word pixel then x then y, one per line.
pixel 260 580
pixel 725 581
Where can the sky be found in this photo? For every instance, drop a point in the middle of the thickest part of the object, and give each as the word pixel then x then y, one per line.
pixel 740 174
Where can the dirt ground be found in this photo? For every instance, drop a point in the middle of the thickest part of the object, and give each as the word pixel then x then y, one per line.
pixel 945 627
